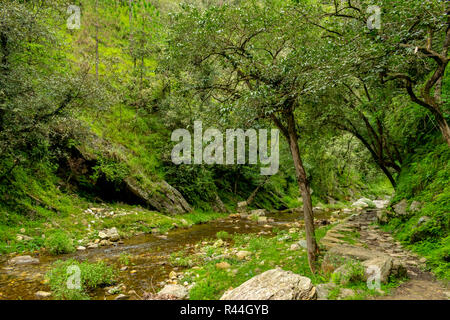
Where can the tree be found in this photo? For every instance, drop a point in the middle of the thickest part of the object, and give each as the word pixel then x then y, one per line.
pixel 37 87
pixel 411 46
pixel 256 60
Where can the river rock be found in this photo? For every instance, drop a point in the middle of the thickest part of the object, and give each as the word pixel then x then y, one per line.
pixel 81 248
pixel 241 255
pixel 262 220
pixel 400 207
pixel 42 294
pixel 109 234
pixel 122 297
pixel 23 260
pixel 275 284
pixel 175 290
pixel 223 265
pixel 258 213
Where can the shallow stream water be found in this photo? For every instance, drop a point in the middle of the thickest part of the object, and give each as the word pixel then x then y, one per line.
pixel 148 253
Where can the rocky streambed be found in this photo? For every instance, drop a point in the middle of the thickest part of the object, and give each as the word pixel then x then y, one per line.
pixel 148 257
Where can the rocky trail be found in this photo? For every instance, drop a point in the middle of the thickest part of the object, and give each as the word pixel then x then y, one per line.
pixel 372 243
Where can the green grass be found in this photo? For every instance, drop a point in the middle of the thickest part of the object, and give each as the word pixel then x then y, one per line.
pixel 59 242
pixel 266 253
pixel 90 275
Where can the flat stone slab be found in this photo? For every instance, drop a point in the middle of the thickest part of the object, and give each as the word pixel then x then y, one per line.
pixel 275 284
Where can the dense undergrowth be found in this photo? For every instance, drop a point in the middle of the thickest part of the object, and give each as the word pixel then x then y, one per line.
pixel 424 178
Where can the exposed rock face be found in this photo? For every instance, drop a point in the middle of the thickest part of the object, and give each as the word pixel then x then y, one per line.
pixel 175 290
pixel 159 195
pixel 218 206
pixel 23 260
pixel 400 208
pixel 164 198
pixel 275 284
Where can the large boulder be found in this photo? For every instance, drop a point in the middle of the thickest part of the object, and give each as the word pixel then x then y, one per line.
pixel 401 208
pixel 275 284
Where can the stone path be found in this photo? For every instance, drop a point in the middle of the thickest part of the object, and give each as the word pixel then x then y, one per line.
pixel 359 236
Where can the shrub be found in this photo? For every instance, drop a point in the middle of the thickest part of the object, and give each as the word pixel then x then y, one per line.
pixel 91 276
pixel 59 242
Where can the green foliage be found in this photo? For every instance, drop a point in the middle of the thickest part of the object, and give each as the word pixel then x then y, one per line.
pixel 179 259
pixel 59 242
pixel 354 272
pixel 266 254
pixel 424 178
pixel 113 171
pixel 223 235
pixel 92 276
pixel 124 259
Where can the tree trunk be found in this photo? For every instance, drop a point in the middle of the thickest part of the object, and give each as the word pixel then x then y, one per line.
pixel 312 247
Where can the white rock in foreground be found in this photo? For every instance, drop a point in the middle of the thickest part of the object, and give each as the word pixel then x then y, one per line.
pixel 175 290
pixel 275 284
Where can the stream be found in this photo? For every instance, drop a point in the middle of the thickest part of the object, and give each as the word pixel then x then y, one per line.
pixel 149 255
